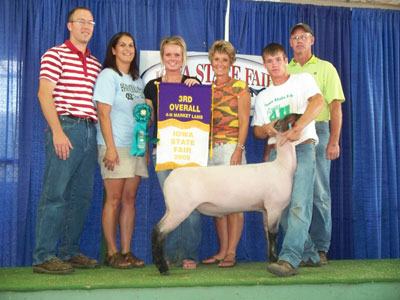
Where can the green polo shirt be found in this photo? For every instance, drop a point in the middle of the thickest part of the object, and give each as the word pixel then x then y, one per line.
pixel 327 79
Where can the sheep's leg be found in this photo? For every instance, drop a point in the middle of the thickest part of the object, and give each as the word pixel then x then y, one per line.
pixel 272 246
pixel 169 222
pixel 158 250
pixel 271 232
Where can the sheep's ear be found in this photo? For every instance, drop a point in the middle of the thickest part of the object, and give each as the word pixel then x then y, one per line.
pixel 278 125
pixel 283 124
pixel 291 119
pixel 296 117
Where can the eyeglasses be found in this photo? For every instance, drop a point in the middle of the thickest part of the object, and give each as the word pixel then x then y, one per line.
pixel 302 37
pixel 84 22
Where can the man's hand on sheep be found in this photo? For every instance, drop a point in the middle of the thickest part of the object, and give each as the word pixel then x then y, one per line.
pixel 269 129
pixel 292 135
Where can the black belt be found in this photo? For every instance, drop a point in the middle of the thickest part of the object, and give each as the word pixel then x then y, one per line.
pixel 86 120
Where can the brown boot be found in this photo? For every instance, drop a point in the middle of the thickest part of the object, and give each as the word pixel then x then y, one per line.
pixel 81 261
pixel 54 266
pixel 282 268
pixel 323 258
pixel 310 263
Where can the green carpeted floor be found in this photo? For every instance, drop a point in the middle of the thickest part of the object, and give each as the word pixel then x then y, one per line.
pixel 244 274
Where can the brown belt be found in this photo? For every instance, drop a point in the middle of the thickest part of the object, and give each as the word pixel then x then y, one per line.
pixel 308 141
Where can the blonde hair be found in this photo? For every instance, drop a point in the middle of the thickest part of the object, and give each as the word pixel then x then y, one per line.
pixel 222 47
pixel 173 40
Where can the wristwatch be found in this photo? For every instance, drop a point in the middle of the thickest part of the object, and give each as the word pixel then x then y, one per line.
pixel 239 145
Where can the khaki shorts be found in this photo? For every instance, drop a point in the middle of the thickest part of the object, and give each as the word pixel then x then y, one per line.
pixel 129 166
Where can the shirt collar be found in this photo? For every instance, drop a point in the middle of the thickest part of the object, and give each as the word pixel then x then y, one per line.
pixel 312 60
pixel 75 50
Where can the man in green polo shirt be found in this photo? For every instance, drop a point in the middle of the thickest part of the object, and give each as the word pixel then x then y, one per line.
pixel 327 78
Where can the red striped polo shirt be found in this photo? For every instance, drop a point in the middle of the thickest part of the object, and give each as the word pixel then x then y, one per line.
pixel 74 74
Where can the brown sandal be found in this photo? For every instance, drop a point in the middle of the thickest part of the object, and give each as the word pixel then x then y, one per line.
pixel 211 260
pixel 115 261
pixel 228 261
pixel 133 260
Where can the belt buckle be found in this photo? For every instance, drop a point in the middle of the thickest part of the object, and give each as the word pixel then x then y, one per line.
pixel 308 141
pixel 80 119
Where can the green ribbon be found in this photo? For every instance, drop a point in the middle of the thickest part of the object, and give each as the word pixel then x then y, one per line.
pixel 142 114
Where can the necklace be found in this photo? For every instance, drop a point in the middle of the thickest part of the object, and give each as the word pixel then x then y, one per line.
pixel 223 83
pixel 175 80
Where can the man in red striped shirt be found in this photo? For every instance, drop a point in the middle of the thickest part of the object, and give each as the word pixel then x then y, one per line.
pixel 67 76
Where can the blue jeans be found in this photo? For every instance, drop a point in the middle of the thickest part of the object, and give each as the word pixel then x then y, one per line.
pixel 296 218
pixel 66 192
pixel 321 224
pixel 183 242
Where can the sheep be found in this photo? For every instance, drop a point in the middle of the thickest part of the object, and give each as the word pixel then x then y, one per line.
pixel 220 190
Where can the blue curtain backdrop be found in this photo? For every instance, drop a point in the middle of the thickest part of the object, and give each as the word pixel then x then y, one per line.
pixel 332 29
pixel 363 45
pixel 375 85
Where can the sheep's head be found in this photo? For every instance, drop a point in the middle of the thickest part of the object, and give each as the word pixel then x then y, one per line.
pixel 283 124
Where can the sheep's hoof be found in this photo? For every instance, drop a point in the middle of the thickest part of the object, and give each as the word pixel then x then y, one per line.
pixel 164 270
pixel 273 258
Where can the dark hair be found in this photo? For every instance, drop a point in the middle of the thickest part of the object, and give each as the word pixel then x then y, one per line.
pixel 273 48
pixel 75 9
pixel 110 62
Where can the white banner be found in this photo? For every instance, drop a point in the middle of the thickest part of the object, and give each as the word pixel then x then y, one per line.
pixel 184 115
